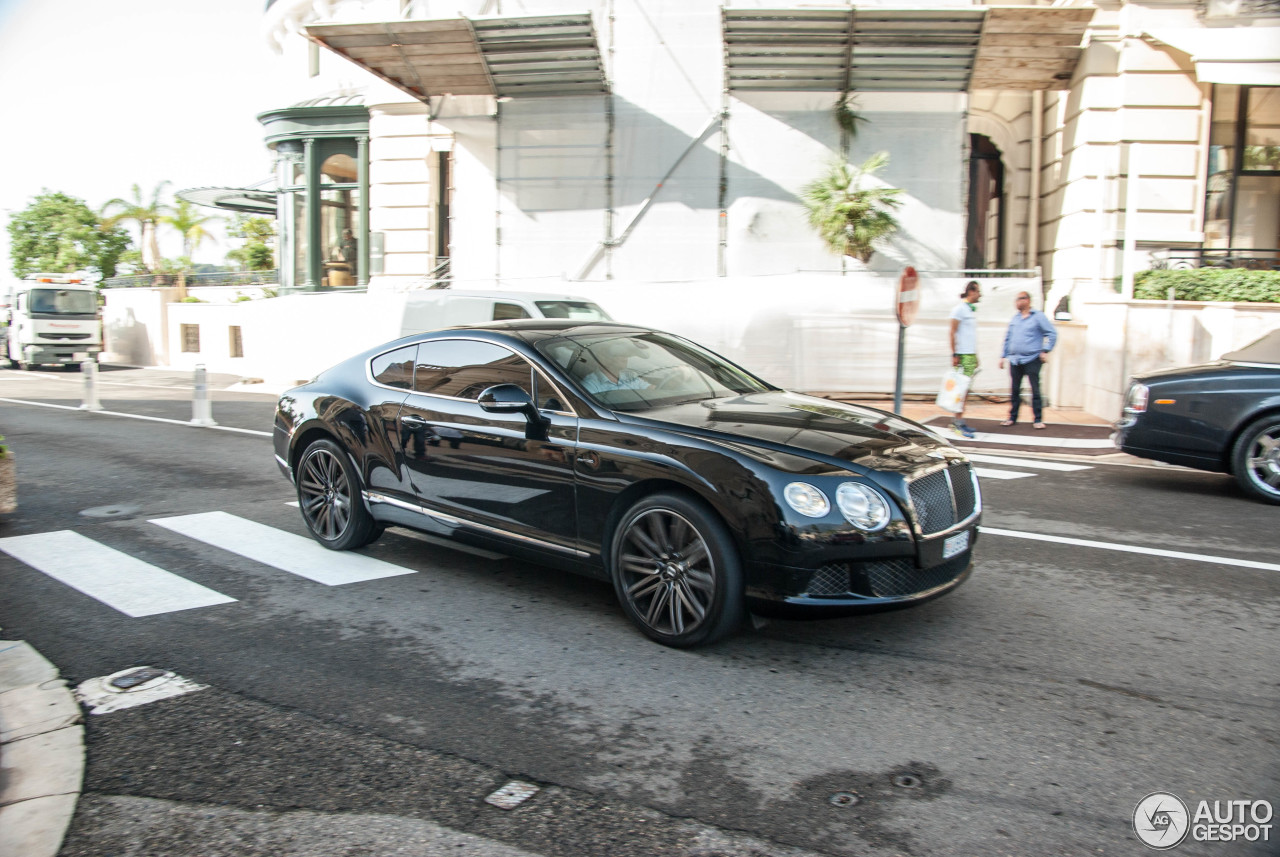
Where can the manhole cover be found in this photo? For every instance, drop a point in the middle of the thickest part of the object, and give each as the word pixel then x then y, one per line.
pixel 116 510
pixel 133 678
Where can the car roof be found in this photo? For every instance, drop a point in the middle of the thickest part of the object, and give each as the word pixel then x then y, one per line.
pixel 532 329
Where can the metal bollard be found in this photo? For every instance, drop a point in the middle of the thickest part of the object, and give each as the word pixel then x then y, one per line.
pixel 89 369
pixel 201 408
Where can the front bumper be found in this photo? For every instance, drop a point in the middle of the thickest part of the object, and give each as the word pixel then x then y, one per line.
pixel 843 584
pixel 59 353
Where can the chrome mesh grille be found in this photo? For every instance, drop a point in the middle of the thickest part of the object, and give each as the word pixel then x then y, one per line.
pixel 962 488
pixel 831 579
pixel 940 503
pixel 898 577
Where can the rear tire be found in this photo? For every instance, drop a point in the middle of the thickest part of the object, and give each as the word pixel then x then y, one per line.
pixel 676 571
pixel 329 498
pixel 1255 460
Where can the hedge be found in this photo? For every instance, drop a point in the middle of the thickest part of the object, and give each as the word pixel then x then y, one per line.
pixel 1209 284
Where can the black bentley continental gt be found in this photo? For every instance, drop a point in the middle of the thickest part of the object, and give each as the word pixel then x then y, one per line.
pixel 638 457
pixel 1222 417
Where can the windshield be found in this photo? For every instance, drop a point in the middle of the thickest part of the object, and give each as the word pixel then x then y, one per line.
pixel 637 372
pixel 63 302
pixel 579 310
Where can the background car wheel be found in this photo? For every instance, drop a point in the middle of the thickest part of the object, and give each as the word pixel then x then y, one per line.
pixel 329 497
pixel 1255 461
pixel 676 571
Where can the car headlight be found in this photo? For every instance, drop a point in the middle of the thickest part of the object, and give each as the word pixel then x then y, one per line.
pixel 806 499
pixel 863 506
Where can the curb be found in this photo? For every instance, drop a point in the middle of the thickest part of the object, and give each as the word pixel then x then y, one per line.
pixel 41 753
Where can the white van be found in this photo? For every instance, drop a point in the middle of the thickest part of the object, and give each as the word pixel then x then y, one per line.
pixel 53 319
pixel 434 309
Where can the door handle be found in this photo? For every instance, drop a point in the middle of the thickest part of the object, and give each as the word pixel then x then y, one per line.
pixel 588 460
pixel 413 422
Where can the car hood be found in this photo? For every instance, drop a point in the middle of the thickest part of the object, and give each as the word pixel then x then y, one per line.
pixel 808 426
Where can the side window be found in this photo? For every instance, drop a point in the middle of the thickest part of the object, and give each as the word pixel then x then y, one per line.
pixel 395 368
pixel 504 312
pixel 463 368
pixel 546 396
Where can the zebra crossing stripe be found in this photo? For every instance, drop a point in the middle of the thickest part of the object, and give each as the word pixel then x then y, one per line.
pixel 1026 462
pixel 988 473
pixel 285 551
pixel 118 580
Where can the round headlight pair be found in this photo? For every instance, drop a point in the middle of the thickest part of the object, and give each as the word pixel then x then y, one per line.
pixel 863 506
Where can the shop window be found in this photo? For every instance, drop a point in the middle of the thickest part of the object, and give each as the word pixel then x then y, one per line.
pixel 1242 195
pixel 191 338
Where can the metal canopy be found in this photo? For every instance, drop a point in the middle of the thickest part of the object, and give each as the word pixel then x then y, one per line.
pixel 244 199
pixel 506 57
pixel 905 50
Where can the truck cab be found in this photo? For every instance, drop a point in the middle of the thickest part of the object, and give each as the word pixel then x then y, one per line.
pixel 53 319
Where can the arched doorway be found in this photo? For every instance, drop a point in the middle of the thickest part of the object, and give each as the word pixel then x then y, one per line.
pixel 984 234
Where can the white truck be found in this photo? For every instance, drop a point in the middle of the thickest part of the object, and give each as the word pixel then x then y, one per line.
pixel 53 318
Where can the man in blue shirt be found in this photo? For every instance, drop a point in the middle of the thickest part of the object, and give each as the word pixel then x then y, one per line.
pixel 1027 343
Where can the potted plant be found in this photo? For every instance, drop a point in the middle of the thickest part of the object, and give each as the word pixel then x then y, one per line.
pixel 849 217
pixel 8 480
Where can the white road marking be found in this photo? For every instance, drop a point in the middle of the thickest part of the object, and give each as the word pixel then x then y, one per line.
pixel 135 417
pixel 987 473
pixel 1035 440
pixel 288 552
pixel 118 580
pixel 100 696
pixel 1026 462
pixel 1146 551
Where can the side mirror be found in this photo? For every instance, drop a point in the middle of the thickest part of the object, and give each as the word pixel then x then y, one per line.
pixel 506 399
pixel 510 399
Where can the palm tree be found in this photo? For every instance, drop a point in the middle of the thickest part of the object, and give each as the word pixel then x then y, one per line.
pixel 851 218
pixel 190 225
pixel 146 214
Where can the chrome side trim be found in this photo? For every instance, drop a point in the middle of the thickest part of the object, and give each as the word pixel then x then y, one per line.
pixel 374 497
pixel 284 465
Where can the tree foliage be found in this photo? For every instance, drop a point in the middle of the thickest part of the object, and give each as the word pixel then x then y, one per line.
pixel 190 224
pixel 849 216
pixel 58 233
pixel 146 213
pixel 258 234
pixel 1208 284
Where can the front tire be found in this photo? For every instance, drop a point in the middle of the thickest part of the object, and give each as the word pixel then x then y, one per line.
pixel 329 497
pixel 1255 461
pixel 676 571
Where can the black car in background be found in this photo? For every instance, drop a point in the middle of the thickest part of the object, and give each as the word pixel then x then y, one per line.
pixel 1223 417
pixel 638 457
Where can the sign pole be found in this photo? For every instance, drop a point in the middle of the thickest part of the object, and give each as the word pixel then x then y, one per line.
pixel 908 304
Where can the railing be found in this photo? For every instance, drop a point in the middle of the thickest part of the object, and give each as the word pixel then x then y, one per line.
pixel 216 278
pixel 1253 259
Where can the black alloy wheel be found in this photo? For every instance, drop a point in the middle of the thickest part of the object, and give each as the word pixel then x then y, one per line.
pixel 1255 461
pixel 676 571
pixel 329 497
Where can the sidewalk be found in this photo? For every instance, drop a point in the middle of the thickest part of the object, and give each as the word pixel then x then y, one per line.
pixel 41 753
pixel 1069 431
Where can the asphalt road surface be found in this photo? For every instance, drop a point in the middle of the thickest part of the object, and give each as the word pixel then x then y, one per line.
pixel 1119 636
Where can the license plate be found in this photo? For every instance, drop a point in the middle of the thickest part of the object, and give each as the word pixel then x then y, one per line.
pixel 957 544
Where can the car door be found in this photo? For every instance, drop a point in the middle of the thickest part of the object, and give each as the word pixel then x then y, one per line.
pixel 503 472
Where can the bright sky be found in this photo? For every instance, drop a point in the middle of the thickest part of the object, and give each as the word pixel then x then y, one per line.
pixel 100 94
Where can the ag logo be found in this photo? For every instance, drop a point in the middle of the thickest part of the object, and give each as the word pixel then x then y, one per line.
pixel 1161 820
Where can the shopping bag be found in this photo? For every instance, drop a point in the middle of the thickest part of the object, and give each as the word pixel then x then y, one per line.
pixel 955 386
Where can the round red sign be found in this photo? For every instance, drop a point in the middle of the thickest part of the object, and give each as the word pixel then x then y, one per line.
pixel 908 296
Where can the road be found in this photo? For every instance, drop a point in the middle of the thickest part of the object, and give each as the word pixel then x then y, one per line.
pixel 1025 713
